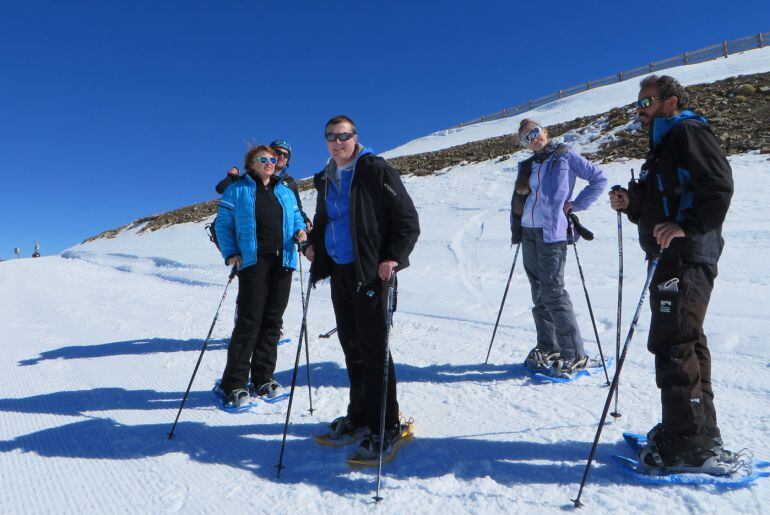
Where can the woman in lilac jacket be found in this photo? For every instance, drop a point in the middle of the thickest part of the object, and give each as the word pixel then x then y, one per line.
pixel 539 207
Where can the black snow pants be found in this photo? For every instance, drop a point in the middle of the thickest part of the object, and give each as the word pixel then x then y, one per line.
pixel 362 329
pixel 263 293
pixel 682 357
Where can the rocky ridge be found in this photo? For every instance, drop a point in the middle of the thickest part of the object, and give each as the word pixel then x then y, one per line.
pixel 738 109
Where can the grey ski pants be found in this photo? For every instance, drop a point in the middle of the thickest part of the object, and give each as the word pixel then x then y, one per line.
pixel 557 328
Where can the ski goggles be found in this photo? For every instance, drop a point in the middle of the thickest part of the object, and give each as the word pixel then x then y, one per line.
pixel 645 102
pixel 264 160
pixel 342 136
pixel 531 135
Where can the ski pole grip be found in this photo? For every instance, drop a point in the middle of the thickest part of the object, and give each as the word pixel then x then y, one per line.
pixel 582 231
pixel 233 271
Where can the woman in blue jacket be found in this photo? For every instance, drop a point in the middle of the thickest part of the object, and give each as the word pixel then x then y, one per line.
pixel 258 222
pixel 539 207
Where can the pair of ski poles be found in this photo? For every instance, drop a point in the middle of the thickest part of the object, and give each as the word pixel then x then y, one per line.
pixel 303 332
pixel 384 400
pixel 574 225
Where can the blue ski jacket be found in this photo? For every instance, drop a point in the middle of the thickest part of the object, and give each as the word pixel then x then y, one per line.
pixel 236 227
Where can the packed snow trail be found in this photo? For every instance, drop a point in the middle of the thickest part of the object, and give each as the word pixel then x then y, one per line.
pixel 97 360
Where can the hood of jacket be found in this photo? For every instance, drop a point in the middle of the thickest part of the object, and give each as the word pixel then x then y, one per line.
pixel 332 172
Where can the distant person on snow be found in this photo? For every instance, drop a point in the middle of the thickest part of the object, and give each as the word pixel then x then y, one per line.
pixel 539 208
pixel 257 224
pixel 679 205
pixel 283 154
pixel 366 226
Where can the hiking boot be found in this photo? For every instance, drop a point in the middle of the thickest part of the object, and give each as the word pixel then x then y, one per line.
pixel 370 446
pixel 238 398
pixel 342 429
pixel 270 389
pixel 570 366
pixel 670 450
pixel 539 359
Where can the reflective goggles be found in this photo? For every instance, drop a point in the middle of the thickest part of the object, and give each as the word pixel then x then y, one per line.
pixel 531 135
pixel 342 136
pixel 645 102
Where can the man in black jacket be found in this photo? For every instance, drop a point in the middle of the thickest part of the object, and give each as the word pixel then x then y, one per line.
pixel 679 205
pixel 366 226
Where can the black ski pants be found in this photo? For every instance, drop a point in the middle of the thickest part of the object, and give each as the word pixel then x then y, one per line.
pixel 682 357
pixel 263 293
pixel 361 315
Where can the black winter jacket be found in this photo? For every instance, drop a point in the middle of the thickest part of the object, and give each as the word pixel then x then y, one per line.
pixel 384 223
pixel 685 179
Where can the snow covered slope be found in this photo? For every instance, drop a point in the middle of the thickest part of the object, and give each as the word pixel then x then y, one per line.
pixel 99 344
pixel 590 102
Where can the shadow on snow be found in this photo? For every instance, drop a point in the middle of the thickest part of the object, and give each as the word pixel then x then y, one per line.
pixel 506 462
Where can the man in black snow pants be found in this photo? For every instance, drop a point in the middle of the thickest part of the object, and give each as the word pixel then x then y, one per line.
pixel 679 204
pixel 365 227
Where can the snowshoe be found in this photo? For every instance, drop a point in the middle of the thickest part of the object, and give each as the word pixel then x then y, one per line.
pixel 236 401
pixel 341 433
pixel 539 360
pixel 367 454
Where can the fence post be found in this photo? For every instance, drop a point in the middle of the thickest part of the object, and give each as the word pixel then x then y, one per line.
pixel 620 76
pixel 761 40
pixel 686 58
pixel 588 85
pixel 651 67
pixel 561 91
pixel 724 49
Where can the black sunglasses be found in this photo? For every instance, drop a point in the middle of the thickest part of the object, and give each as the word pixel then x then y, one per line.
pixel 281 152
pixel 342 136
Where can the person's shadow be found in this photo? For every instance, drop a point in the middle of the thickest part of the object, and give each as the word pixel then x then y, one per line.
pixel 125 348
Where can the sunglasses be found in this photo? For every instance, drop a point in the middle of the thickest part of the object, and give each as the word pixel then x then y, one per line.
pixel 264 160
pixel 281 153
pixel 531 135
pixel 644 103
pixel 342 136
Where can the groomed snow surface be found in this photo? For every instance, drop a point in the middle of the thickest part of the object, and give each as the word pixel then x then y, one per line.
pixel 98 348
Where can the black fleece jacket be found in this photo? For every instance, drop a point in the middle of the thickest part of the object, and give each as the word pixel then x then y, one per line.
pixel 685 179
pixel 384 223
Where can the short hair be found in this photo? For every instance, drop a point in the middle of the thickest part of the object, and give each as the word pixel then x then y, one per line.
pixel 340 118
pixel 249 158
pixel 667 87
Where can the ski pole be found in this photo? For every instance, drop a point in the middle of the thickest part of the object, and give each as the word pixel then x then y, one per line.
pixel 328 334
pixel 570 225
pixel 200 357
pixel 616 413
pixel 294 375
pixel 386 369
pixel 505 294
pixel 304 322
pixel 650 272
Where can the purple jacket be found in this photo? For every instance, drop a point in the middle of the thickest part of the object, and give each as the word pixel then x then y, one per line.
pixel 562 166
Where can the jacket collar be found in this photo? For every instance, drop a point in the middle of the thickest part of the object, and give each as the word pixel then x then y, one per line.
pixel 332 172
pixel 662 126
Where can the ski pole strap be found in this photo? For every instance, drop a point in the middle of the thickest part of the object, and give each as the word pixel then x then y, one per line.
pixel 579 228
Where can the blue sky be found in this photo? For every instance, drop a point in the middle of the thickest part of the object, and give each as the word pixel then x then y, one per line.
pixel 111 111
